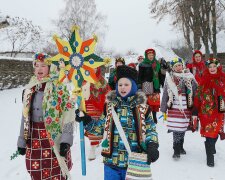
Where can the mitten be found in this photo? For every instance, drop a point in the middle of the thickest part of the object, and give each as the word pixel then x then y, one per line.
pixel 85 118
pixel 152 152
pixel 22 151
pixel 64 148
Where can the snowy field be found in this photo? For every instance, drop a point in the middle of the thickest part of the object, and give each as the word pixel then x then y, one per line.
pixel 190 167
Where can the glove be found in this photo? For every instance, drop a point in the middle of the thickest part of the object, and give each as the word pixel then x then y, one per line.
pixel 194 123
pixel 64 148
pixel 85 118
pixel 152 152
pixel 22 151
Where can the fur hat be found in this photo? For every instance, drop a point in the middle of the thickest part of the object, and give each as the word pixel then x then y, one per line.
pixel 41 57
pixel 176 60
pixel 120 59
pixel 127 72
pixel 212 60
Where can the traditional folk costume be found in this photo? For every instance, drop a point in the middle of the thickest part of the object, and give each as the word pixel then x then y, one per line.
pixel 135 118
pixel 197 68
pixel 149 81
pixel 178 93
pixel 95 106
pixel 47 122
pixel 209 107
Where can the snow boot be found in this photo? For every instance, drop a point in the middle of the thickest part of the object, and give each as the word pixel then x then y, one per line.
pixel 182 151
pixel 209 154
pixel 154 117
pixel 176 147
pixel 92 155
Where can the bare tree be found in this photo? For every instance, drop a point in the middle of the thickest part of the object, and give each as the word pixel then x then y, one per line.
pixel 21 33
pixel 84 14
pixel 196 18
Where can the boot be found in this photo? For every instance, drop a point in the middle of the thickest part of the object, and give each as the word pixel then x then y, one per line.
pixel 176 147
pixel 182 151
pixel 92 155
pixel 209 154
pixel 154 117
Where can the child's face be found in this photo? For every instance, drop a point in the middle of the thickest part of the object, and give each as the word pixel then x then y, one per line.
pixel 41 70
pixel 150 56
pixel 119 64
pixel 212 68
pixel 124 86
pixel 198 58
pixel 178 68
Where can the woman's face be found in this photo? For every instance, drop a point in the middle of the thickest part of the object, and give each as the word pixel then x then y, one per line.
pixel 124 86
pixel 150 56
pixel 178 68
pixel 212 68
pixel 198 57
pixel 41 70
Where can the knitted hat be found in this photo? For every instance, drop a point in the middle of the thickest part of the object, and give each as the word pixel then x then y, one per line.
pixel 212 60
pixel 150 51
pixel 127 72
pixel 120 59
pixel 176 60
pixel 41 57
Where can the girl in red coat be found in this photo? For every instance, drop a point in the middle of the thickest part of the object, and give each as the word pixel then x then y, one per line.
pixel 209 106
pixel 197 66
pixel 95 101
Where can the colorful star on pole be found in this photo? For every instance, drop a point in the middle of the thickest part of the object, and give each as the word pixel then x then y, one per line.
pixel 76 59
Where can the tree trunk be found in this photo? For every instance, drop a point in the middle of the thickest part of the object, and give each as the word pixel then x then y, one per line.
pixel 214 18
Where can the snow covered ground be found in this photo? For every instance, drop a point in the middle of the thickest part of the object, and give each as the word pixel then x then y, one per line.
pixel 190 167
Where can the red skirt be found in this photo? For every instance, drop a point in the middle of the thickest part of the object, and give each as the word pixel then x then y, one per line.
pixel 154 101
pixel 41 161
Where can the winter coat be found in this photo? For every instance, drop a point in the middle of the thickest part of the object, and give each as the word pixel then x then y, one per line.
pixel 178 94
pixel 210 90
pixel 136 120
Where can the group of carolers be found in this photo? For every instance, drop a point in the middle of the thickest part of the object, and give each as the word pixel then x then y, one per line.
pixel 191 94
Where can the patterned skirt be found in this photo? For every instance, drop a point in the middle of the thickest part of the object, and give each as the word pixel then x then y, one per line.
pixel 178 120
pixel 154 101
pixel 41 161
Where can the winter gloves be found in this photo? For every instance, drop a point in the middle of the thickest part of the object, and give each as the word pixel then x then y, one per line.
pixel 152 152
pixel 64 148
pixel 86 118
pixel 22 151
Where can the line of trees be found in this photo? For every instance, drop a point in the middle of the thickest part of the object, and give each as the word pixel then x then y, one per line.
pixel 199 20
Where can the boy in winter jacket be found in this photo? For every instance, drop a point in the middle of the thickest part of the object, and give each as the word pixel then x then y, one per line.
pixel 209 107
pixel 135 118
pixel 178 93
pixel 46 132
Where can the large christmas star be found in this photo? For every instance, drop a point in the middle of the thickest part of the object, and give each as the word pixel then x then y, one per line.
pixel 76 59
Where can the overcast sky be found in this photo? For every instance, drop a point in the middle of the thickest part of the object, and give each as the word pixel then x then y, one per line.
pixel 130 25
